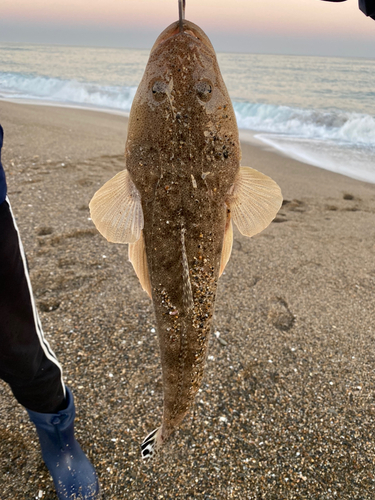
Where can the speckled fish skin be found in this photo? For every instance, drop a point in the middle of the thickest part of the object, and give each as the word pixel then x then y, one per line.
pixel 183 154
pixel 175 202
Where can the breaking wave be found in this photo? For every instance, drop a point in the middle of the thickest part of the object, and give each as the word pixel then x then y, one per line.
pixel 339 126
pixel 339 140
pixel 20 86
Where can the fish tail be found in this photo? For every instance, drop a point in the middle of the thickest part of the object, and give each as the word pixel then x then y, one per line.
pixel 151 444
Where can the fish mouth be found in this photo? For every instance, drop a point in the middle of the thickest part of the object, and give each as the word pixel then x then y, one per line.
pixel 188 28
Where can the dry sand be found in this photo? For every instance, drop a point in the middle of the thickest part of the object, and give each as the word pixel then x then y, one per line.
pixel 287 406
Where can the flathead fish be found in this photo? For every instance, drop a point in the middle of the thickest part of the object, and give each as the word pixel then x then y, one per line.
pixel 175 202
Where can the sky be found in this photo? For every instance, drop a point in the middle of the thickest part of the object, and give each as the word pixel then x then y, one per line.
pixel 303 27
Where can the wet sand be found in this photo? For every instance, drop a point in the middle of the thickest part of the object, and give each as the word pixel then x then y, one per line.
pixel 287 406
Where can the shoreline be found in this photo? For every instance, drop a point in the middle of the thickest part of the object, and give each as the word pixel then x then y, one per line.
pixel 54 104
pixel 252 137
pixel 289 394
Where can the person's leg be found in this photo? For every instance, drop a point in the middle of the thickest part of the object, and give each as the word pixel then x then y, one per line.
pixel 30 367
pixel 27 362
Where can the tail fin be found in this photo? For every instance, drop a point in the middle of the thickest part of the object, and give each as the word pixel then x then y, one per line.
pixel 151 444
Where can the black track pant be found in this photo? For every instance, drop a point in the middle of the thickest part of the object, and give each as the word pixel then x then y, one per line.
pixel 27 362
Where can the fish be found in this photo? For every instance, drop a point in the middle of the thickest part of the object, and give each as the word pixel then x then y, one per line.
pixel 175 204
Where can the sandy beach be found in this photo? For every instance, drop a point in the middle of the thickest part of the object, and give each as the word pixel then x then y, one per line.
pixel 287 405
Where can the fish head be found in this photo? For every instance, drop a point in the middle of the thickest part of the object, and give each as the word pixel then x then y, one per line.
pixel 182 117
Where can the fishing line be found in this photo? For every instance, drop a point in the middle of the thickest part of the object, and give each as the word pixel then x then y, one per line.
pixel 181 12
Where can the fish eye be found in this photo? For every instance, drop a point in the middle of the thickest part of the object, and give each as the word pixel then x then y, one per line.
pixel 204 90
pixel 159 90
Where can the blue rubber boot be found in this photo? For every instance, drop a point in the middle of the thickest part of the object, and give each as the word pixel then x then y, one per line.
pixel 71 470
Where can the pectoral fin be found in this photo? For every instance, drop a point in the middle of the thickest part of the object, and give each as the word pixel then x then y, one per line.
pixel 116 210
pixel 138 257
pixel 227 244
pixel 254 201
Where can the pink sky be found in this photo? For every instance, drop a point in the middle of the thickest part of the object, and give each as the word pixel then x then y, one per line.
pixel 300 26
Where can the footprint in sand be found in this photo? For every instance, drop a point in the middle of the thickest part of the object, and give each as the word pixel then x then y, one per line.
pixel 60 238
pixel 290 206
pixel 85 182
pixel 332 208
pixel 48 305
pixel 66 262
pixel 351 208
pixel 279 314
pixel 44 231
pixel 280 218
pixel 294 205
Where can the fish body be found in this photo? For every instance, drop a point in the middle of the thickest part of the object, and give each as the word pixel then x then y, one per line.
pixel 175 202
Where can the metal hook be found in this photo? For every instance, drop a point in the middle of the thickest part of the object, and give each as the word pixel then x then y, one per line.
pixel 181 12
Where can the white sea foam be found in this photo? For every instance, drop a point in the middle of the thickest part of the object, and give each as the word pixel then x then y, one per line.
pixel 340 126
pixel 339 141
pixel 349 160
pixel 18 86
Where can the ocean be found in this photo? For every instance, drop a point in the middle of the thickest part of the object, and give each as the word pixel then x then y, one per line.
pixel 318 110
